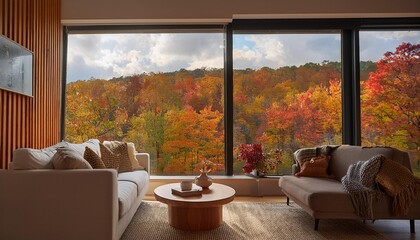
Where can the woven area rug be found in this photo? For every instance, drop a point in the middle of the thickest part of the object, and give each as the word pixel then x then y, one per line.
pixel 243 220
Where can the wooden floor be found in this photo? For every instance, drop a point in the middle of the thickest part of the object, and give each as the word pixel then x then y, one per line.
pixel 392 229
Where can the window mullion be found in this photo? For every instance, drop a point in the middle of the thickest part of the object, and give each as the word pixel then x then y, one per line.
pixel 351 87
pixel 356 89
pixel 228 94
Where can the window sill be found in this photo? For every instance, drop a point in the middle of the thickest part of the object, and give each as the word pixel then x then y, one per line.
pixel 188 177
pixel 243 185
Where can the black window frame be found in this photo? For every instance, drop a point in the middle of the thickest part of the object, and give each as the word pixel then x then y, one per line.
pixel 349 28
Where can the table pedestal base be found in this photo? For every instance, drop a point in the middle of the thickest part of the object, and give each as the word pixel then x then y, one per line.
pixel 193 219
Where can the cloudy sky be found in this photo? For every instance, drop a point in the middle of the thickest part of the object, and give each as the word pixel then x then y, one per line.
pixel 106 56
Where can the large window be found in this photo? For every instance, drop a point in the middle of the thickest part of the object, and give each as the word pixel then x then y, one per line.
pixel 164 92
pixel 186 93
pixel 287 92
pixel 390 95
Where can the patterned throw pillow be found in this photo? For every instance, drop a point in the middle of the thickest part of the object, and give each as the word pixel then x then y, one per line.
pixel 306 154
pixel 315 167
pixel 128 161
pixel 94 160
pixel 109 158
pixel 125 163
pixel 67 158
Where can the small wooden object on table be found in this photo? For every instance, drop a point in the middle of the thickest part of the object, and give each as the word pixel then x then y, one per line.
pixel 203 212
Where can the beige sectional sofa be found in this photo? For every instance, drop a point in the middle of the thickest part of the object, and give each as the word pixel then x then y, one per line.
pixel 68 204
pixel 325 198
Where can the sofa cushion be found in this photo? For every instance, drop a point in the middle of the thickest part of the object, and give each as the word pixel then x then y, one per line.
pixel 140 178
pixel 327 197
pixel 127 195
pixel 29 158
pixel 94 160
pixel 67 158
pixel 319 194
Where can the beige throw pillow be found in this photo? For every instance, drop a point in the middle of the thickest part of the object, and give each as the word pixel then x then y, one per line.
pixel 80 147
pixel 67 158
pixel 132 154
pixel 29 158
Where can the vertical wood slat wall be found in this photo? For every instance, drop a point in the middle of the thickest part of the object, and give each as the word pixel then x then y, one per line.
pixel 32 121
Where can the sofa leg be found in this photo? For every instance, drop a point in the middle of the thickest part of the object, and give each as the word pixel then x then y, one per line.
pixel 287 201
pixel 316 224
pixel 412 226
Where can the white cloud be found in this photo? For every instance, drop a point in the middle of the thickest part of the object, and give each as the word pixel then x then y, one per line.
pixel 266 50
pixel 128 54
pixel 271 47
pixel 188 51
pixel 113 55
pixel 277 50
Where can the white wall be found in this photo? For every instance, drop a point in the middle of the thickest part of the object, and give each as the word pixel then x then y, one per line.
pixel 220 11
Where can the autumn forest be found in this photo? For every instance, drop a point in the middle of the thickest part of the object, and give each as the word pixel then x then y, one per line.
pixel 177 117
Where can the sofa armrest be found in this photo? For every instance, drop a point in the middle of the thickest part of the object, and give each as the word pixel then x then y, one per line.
pixel 144 160
pixel 58 204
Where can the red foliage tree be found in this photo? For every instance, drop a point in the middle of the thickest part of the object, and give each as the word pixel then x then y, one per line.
pixel 390 100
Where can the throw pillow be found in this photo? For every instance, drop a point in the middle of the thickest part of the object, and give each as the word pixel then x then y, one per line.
pixel 315 167
pixel 80 147
pixel 132 163
pixel 132 154
pixel 306 154
pixel 109 158
pixel 67 158
pixel 121 149
pixel 94 160
pixel 29 158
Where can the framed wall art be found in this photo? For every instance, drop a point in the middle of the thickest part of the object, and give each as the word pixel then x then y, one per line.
pixel 15 67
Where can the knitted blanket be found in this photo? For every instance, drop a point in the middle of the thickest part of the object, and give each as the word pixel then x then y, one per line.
pixel 365 179
pixel 359 182
pixel 400 184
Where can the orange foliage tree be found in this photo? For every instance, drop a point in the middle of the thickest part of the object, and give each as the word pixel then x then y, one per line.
pixel 390 100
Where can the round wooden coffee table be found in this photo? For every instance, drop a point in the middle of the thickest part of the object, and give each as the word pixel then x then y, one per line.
pixel 196 212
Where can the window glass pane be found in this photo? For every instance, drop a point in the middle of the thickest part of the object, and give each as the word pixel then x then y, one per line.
pixel 287 92
pixel 390 96
pixel 164 92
